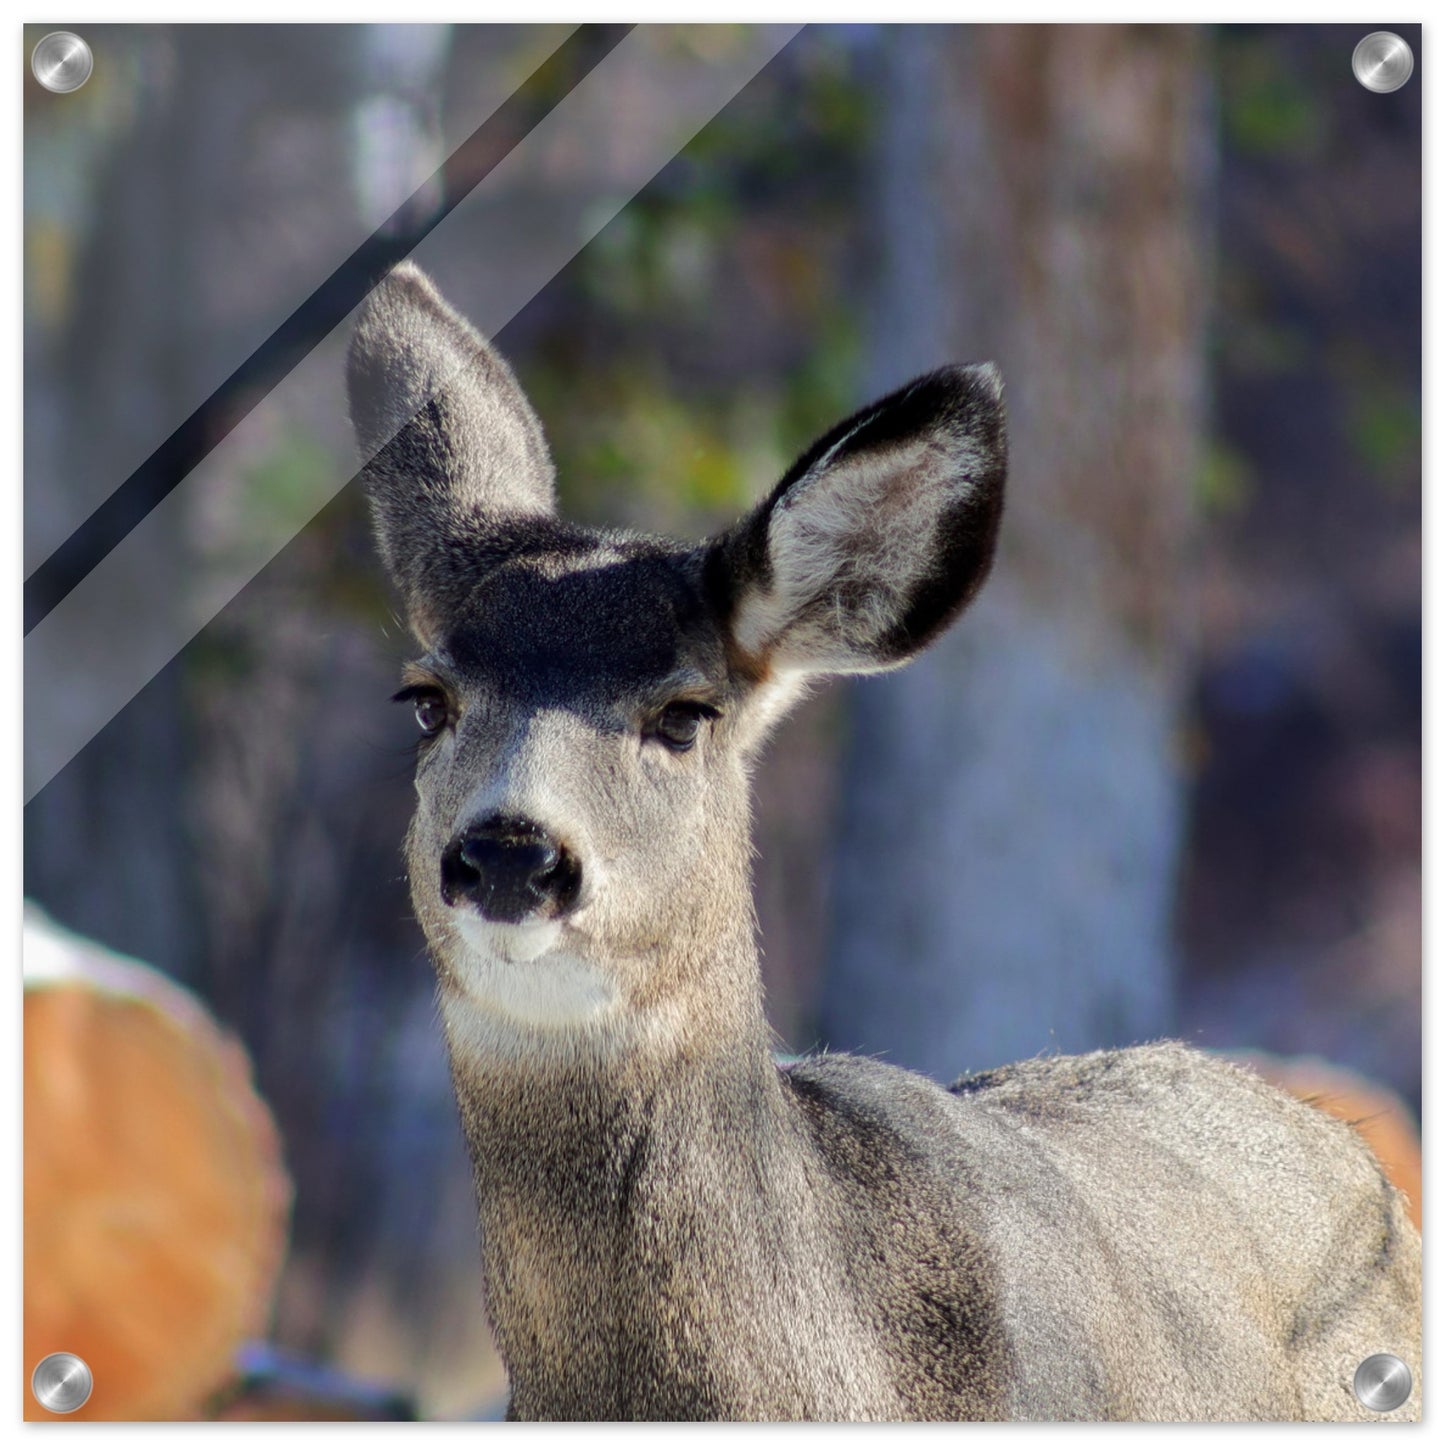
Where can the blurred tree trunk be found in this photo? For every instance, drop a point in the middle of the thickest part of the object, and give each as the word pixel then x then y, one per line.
pixel 107 844
pixel 1011 809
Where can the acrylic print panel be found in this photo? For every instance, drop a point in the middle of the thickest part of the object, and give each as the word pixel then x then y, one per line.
pixel 1162 780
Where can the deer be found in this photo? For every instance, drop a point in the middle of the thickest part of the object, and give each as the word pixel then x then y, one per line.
pixel 675 1222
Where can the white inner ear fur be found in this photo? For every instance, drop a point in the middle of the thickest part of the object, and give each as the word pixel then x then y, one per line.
pixel 867 525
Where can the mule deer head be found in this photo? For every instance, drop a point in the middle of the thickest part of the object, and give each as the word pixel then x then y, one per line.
pixel 590 701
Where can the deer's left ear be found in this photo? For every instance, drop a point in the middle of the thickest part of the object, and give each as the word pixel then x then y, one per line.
pixel 877 536
pixel 455 462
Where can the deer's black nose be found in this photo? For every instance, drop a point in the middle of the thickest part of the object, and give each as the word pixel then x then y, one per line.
pixel 508 868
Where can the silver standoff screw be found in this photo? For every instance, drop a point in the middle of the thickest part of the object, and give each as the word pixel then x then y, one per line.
pixel 62 62
pixel 1382 1382
pixel 1382 62
pixel 62 1383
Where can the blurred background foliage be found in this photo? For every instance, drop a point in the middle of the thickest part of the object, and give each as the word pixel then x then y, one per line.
pixel 251 800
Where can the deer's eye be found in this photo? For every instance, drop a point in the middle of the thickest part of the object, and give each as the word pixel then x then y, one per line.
pixel 679 722
pixel 431 713
pixel 430 706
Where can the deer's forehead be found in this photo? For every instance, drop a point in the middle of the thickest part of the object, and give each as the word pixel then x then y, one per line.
pixel 599 627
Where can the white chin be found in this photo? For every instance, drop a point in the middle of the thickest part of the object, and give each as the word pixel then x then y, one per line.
pixel 523 973
pixel 508 942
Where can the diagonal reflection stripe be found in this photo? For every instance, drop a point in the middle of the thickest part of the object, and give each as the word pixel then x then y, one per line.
pixel 566 68
pixel 135 610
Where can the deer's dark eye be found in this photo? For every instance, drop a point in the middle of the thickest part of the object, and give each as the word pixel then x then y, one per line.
pixel 679 722
pixel 430 706
pixel 431 713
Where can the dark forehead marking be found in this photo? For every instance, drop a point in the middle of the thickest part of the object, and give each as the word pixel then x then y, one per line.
pixel 613 618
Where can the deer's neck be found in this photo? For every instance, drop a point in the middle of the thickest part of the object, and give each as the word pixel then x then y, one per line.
pixel 638 1207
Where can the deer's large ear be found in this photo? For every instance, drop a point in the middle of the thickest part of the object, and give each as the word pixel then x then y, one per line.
pixel 878 535
pixel 454 456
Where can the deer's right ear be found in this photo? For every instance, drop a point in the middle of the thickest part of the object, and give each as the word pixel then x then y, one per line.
pixel 454 457
pixel 877 536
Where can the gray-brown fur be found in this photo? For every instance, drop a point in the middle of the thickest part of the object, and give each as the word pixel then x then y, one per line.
pixel 673 1226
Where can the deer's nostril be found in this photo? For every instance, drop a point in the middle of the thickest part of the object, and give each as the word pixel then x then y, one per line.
pixel 508 868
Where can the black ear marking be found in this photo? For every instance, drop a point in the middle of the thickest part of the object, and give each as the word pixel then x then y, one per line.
pixel 966 532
